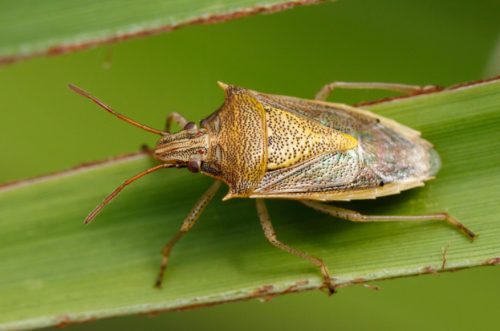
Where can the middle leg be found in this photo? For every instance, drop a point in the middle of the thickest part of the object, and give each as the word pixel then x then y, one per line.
pixel 267 226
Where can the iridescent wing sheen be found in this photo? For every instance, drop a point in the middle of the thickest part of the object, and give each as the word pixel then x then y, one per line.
pixel 328 177
pixel 327 172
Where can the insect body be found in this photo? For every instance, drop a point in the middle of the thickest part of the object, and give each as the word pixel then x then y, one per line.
pixel 266 146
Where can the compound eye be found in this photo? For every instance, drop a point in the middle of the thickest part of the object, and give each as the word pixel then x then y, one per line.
pixel 190 126
pixel 194 165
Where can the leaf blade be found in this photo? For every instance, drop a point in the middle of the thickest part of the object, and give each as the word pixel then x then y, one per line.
pixel 57 27
pixel 67 272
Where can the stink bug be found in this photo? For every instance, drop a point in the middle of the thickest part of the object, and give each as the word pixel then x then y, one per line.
pixel 267 146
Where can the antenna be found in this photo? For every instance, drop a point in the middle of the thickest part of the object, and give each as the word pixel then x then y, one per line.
pixel 117 190
pixel 111 111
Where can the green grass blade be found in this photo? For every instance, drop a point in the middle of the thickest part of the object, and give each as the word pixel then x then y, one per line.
pixel 54 270
pixel 29 29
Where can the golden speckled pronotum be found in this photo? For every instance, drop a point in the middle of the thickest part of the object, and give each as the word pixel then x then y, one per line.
pixel 266 146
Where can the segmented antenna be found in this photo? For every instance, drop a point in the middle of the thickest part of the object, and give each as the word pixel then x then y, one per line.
pixel 111 111
pixel 117 190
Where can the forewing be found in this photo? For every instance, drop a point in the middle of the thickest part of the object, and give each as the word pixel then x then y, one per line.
pixel 390 157
pixel 327 172
pixel 324 113
pixel 348 119
pixel 393 151
pixel 330 177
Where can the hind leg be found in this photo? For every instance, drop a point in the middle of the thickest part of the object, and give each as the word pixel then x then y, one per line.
pixel 326 90
pixel 354 216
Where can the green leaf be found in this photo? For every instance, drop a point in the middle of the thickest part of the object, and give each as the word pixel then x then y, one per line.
pixel 29 29
pixel 54 270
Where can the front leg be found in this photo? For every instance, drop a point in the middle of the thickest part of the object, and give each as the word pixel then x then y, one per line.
pixel 187 224
pixel 176 118
pixel 147 150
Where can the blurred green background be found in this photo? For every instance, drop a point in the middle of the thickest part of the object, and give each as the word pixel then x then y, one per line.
pixel 44 128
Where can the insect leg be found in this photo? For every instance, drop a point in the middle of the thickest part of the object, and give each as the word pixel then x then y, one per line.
pixel 267 226
pixel 326 90
pixel 187 224
pixel 354 216
pixel 147 150
pixel 176 118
